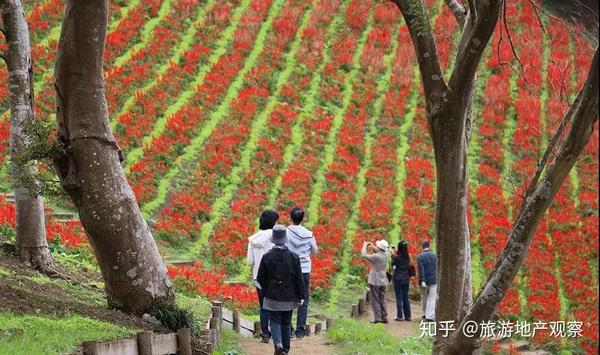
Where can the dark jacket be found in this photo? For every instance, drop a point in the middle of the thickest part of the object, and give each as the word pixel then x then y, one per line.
pixel 426 265
pixel 280 275
pixel 401 269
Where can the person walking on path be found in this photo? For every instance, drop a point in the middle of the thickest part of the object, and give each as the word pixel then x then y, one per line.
pixel 401 280
pixel 302 242
pixel 377 278
pixel 280 278
pixel 427 279
pixel 258 245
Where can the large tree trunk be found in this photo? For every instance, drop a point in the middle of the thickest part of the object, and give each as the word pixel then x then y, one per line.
pixel 90 171
pixel 448 131
pixel 31 245
pixel 448 115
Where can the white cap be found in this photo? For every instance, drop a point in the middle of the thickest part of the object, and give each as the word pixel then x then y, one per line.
pixel 382 244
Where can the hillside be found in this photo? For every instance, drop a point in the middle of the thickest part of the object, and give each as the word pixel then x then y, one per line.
pixel 226 108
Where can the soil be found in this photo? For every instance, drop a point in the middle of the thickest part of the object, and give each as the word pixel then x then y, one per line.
pixel 21 295
pixel 402 328
pixel 313 344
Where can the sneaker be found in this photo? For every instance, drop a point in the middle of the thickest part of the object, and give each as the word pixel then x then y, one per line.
pixel 300 336
pixel 397 319
pixel 264 340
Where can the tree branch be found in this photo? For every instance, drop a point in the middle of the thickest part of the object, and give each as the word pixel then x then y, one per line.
pixel 458 11
pixel 472 11
pixel 419 25
pixel 475 37
pixel 548 152
pixel 583 117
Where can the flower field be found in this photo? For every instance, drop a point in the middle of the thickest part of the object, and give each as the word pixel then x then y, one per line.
pixel 226 108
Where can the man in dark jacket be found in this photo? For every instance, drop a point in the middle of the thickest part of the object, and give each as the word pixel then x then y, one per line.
pixel 427 279
pixel 280 278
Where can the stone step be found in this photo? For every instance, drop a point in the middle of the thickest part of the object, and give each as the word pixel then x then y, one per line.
pixel 180 262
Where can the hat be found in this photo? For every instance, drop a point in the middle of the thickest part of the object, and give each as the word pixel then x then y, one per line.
pixel 279 236
pixel 382 244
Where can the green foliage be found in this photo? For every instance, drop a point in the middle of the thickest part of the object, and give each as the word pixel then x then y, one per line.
pixel 228 344
pixel 37 334
pixel 221 112
pixel 172 316
pixel 356 337
pixel 199 307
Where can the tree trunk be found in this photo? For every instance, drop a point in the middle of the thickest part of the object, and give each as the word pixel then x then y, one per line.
pixel 31 245
pixel 90 171
pixel 448 133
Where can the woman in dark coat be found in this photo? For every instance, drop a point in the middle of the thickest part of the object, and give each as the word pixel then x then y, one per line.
pixel 401 279
pixel 280 278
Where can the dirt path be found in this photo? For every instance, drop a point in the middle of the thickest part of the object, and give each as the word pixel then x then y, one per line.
pixel 314 344
pixel 399 329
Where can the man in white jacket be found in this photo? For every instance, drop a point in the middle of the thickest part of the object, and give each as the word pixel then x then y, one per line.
pixel 302 242
pixel 258 244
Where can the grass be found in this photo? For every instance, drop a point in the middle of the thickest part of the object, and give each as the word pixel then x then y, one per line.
pixel 355 337
pixel 199 307
pixel 235 178
pixel 228 344
pixel 165 184
pixel 25 334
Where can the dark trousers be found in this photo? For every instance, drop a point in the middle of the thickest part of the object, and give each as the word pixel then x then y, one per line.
pixel 303 310
pixel 378 302
pixel 281 326
pixel 402 302
pixel 264 316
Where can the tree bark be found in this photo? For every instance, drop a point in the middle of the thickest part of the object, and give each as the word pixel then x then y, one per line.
pixel 31 244
pixel 583 116
pixel 448 116
pixel 91 172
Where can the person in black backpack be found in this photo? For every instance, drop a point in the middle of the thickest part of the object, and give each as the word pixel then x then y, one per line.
pixel 280 278
pixel 401 279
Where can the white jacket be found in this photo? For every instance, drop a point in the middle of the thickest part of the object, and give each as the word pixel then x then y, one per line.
pixel 258 245
pixel 302 242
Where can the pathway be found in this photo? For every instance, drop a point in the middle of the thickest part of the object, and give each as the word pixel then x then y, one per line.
pixel 314 344
pixel 394 328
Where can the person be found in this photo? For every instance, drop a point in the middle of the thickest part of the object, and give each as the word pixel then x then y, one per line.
pixel 280 278
pixel 258 245
pixel 401 281
pixel 377 278
pixel 302 242
pixel 427 279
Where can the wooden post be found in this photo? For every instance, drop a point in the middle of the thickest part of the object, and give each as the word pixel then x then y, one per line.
pixel 257 329
pixel 328 323
pixel 236 321
pixel 318 327
pixel 219 305
pixel 368 296
pixel 361 306
pixel 307 329
pixel 354 311
pixel 144 341
pixel 90 348
pixel 213 336
pixel 184 341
